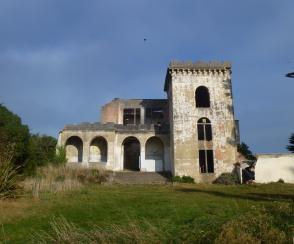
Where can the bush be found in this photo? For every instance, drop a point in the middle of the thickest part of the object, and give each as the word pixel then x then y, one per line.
pixel 281 181
pixel 41 152
pixel 227 179
pixel 183 179
pixel 254 227
pixel 60 156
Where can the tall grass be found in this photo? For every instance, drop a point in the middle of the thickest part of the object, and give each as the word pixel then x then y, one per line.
pixel 61 178
pixel 63 231
pixel 257 226
pixel 8 177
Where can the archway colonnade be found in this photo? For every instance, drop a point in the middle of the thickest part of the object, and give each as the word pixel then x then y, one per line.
pixel 129 152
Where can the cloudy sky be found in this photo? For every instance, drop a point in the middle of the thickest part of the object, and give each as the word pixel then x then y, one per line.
pixel 60 60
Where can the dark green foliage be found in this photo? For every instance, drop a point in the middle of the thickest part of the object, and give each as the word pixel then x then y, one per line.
pixel 227 179
pixel 183 179
pixel 41 151
pixel 290 147
pixel 243 149
pixel 14 136
pixel 281 181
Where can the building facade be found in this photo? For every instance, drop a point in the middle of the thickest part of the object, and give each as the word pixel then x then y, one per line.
pixel 193 132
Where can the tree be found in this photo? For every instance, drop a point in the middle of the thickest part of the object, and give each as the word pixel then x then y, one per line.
pixel 14 136
pixel 41 151
pixel 243 149
pixel 290 147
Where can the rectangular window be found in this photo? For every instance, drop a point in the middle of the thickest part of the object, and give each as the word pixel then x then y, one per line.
pixel 153 115
pixel 206 163
pixel 131 116
pixel 210 164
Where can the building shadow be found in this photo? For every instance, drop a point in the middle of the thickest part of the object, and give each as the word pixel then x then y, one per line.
pixel 246 196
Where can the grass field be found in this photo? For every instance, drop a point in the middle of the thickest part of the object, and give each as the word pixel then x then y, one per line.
pixel 153 213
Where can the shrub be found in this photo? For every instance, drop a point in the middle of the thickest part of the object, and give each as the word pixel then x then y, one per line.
pixel 60 156
pixel 183 179
pixel 254 227
pixel 227 179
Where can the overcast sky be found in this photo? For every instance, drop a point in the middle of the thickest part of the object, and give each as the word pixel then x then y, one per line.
pixel 61 60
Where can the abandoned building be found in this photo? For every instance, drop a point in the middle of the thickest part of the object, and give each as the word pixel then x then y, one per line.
pixel 193 132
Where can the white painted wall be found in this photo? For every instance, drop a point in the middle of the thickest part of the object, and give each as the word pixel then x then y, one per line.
pixel 152 165
pixel 272 167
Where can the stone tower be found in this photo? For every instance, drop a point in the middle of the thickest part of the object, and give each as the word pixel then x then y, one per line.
pixel 203 134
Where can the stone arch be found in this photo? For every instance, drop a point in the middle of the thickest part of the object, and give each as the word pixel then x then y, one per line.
pixel 154 154
pixel 202 97
pixel 154 148
pixel 74 149
pixel 131 153
pixel 98 150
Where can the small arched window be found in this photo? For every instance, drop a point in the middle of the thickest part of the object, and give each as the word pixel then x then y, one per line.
pixel 202 97
pixel 204 129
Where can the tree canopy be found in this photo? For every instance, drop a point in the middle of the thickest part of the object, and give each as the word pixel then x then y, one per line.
pixel 290 147
pixel 243 148
pixel 14 136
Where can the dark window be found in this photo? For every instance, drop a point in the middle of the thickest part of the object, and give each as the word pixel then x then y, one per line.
pixel 206 163
pixel 153 115
pixel 202 97
pixel 204 129
pixel 200 130
pixel 202 161
pixel 138 116
pixel 131 116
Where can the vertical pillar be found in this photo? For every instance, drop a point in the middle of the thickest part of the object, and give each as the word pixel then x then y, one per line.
pixel 142 156
pixel 86 152
pixel 142 115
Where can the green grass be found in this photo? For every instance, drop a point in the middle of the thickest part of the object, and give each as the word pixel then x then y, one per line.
pixel 174 210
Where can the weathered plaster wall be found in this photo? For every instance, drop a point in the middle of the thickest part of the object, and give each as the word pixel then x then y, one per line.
pixel 272 167
pixel 185 116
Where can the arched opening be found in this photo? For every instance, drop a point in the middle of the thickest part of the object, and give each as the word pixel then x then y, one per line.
pixel 154 154
pixel 74 149
pixel 202 97
pixel 131 152
pixel 98 150
pixel 204 129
